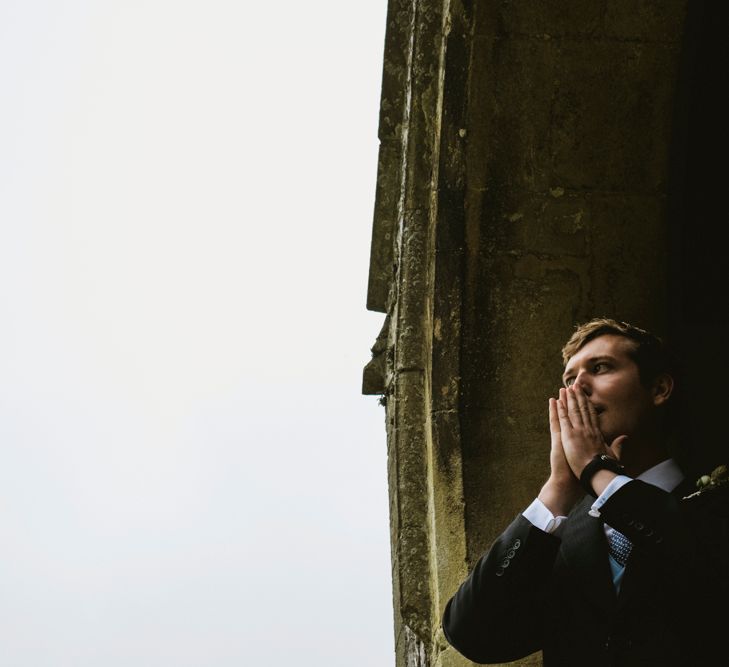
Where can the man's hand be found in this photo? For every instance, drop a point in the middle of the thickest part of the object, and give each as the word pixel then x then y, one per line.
pixel 582 439
pixel 562 490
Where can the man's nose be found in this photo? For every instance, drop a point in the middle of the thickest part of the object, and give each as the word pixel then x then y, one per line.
pixel 583 381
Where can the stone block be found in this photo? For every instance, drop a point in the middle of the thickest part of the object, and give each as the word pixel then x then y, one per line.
pixel 384 227
pixel 646 20
pixel 512 90
pixel 611 116
pixel 630 259
pixel 522 222
pixel 542 20
pixel 413 281
pixel 395 69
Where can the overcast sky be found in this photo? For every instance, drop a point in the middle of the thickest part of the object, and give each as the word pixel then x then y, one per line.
pixel 189 475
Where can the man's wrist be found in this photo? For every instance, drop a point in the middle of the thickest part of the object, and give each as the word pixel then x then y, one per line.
pixel 601 479
pixel 560 497
pixel 598 473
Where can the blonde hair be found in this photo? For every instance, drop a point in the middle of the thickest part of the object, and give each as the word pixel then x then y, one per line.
pixel 649 351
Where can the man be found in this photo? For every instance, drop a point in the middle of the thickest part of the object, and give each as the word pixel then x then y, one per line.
pixel 618 561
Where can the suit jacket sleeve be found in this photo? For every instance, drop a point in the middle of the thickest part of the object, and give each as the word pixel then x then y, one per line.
pixel 497 613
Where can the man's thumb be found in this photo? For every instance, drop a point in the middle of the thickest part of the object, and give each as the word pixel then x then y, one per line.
pixel 618 443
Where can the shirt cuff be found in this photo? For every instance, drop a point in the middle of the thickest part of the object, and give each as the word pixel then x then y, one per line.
pixel 540 517
pixel 615 484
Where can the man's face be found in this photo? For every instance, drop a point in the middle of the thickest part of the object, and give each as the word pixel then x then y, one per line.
pixel 610 380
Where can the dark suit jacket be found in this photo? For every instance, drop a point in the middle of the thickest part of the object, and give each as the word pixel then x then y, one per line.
pixel 533 590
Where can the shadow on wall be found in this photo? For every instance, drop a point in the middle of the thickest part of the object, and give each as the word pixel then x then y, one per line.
pixel 700 273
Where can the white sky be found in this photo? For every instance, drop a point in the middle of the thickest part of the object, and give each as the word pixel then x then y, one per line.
pixel 189 475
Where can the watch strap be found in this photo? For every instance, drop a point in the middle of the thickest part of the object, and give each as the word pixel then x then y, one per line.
pixel 599 462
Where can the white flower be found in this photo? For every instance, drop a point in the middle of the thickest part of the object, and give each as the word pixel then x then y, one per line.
pixel 718 476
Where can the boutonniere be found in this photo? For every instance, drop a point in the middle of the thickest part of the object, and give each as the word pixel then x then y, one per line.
pixel 718 476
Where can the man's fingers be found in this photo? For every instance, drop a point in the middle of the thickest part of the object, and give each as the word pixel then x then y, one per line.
pixel 564 420
pixel 583 405
pixel 592 411
pixel 553 417
pixel 573 409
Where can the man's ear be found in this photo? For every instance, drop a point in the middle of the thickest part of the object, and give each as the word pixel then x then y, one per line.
pixel 662 388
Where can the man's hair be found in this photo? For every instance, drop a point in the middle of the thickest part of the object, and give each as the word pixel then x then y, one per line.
pixel 649 353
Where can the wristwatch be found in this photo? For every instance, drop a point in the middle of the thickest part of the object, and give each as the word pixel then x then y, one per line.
pixel 599 462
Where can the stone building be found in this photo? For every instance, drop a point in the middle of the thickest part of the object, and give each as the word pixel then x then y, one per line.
pixel 541 163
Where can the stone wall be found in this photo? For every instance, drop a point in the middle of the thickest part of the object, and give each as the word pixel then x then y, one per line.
pixel 532 175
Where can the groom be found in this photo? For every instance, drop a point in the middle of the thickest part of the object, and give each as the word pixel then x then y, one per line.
pixel 618 561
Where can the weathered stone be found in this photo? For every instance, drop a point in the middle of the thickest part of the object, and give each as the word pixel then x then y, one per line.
pixel 540 20
pixel 384 227
pixel 512 90
pixel 523 188
pixel 646 20
pixel 611 116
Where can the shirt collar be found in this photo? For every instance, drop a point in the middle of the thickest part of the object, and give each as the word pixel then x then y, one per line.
pixel 666 475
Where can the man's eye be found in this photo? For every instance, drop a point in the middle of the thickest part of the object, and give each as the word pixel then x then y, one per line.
pixel 600 367
pixel 569 381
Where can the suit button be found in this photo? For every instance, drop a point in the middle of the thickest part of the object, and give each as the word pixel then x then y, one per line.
pixel 517 543
pixel 618 642
pixel 510 553
pixel 639 526
pixel 505 563
pixel 499 571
